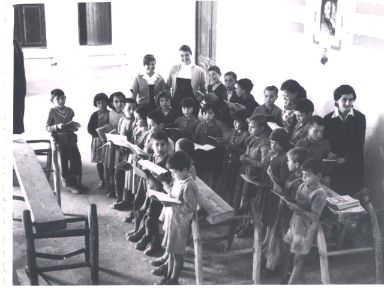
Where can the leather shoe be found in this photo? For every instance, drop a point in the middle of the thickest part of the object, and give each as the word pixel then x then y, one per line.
pixel 143 243
pixel 160 271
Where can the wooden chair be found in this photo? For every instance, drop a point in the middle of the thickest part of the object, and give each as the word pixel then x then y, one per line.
pixel 44 219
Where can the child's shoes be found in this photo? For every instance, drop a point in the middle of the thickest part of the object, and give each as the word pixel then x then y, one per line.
pixel 121 205
pixel 162 281
pixel 143 243
pixel 160 271
pixel 159 261
pixel 153 249
pixel 136 236
pixel 130 217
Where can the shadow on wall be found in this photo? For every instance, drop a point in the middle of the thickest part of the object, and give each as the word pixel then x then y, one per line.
pixel 374 163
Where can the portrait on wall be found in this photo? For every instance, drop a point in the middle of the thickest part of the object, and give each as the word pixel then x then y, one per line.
pixel 328 13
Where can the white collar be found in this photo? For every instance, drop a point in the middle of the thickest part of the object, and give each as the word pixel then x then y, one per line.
pixel 190 65
pixel 336 114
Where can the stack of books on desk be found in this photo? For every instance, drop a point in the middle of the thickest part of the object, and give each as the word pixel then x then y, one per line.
pixel 345 207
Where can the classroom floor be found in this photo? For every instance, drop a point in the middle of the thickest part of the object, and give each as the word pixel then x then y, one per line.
pixel 120 263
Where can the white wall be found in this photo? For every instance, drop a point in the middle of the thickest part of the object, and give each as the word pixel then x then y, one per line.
pixel 255 41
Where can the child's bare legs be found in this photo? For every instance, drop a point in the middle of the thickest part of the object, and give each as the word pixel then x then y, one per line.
pixel 175 265
pixel 298 261
pixel 100 172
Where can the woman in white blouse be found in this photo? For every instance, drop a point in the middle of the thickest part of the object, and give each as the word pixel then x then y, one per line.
pixel 186 80
pixel 148 83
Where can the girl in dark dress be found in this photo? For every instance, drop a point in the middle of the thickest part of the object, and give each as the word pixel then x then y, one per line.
pixel 345 130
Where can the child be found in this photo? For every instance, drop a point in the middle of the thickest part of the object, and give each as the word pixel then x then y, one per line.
pixel 307 207
pixel 208 164
pixel 303 111
pixel 215 84
pixel 149 231
pixel 125 128
pixel 271 112
pixel 188 147
pixel 188 121
pixel 235 146
pixel 98 119
pixel 276 250
pixel 230 79
pixel 163 102
pixel 61 127
pixel 156 119
pixel 117 103
pixel 245 98
pixel 179 216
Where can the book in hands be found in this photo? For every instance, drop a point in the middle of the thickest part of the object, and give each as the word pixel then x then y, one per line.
pixel 162 197
pixel 72 125
pixel 273 125
pixel 342 202
pixel 253 181
pixel 156 169
pixel 101 131
pixel 206 147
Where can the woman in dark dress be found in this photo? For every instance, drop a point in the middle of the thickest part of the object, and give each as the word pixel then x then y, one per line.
pixel 345 130
pixel 215 84
pixel 186 80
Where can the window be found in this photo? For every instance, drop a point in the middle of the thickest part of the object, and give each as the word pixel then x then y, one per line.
pixel 29 25
pixel 95 26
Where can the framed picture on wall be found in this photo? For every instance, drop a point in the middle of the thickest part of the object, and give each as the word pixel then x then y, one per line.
pixel 328 23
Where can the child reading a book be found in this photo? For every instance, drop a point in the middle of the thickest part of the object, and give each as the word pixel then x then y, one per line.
pixel 98 119
pixel 308 204
pixel 163 102
pixel 271 112
pixel 62 129
pixel 303 110
pixel 178 216
pixel 188 121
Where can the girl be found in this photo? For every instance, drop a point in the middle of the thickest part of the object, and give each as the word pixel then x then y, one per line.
pixel 117 103
pixel 98 119
pixel 254 163
pixel 235 146
pixel 163 102
pixel 215 84
pixel 178 216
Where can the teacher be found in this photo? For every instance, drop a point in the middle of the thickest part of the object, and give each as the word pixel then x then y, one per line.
pixel 345 130
pixel 185 80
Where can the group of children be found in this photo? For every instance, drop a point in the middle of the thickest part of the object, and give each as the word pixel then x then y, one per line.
pixel 290 159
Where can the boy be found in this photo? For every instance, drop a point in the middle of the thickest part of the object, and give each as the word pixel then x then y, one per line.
pixel 62 130
pixel 125 128
pixel 188 121
pixel 163 102
pixel 230 79
pixel 156 119
pixel 245 98
pixel 149 231
pixel 303 110
pixel 271 112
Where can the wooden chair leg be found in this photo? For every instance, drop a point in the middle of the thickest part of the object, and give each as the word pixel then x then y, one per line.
pixel 257 244
pixel 94 244
pixel 231 235
pixel 322 246
pixel 56 174
pixel 198 250
pixel 377 244
pixel 31 253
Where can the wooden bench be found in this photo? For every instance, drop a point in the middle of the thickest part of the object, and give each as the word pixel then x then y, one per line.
pixel 44 218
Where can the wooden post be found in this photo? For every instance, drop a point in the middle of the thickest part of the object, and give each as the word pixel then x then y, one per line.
pixel 377 244
pixel 94 244
pixel 31 255
pixel 198 250
pixel 256 244
pixel 322 246
pixel 56 173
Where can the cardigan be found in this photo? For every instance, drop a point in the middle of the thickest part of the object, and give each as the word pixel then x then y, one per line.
pixel 140 88
pixel 197 79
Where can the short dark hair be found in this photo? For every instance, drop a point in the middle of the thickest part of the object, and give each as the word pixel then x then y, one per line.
pixel 272 88
pixel 260 119
pixel 113 95
pixel 313 165
pixel 241 116
pixel 156 116
pixel 342 90
pixel 305 106
pixel 315 119
pixel 298 154
pixel 56 93
pixel 187 146
pixel 281 136
pixel 185 48
pixel 162 94
pixel 100 97
pixel 188 102
pixel 130 100
pixel 159 135
pixel 148 59
pixel 143 111
pixel 292 86
pixel 179 161
pixel 232 74
pixel 208 107
pixel 245 84
pixel 215 68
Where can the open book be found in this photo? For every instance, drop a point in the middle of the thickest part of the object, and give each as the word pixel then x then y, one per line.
pixel 162 197
pixel 101 131
pixel 146 164
pixel 342 202
pixel 273 125
pixel 121 140
pixel 206 147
